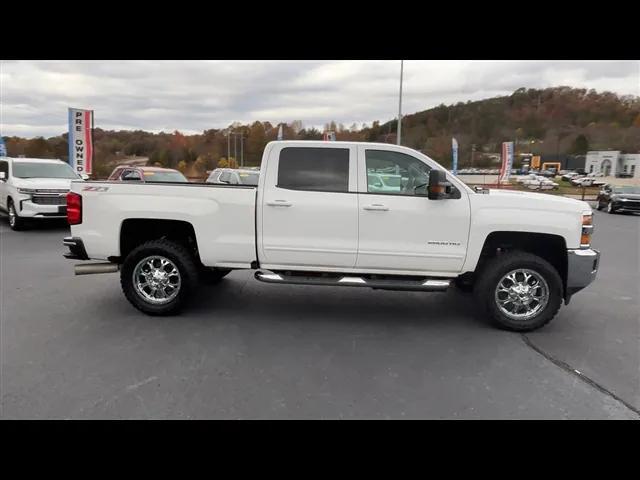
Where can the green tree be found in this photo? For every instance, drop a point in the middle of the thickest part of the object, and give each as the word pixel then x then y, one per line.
pixel 580 145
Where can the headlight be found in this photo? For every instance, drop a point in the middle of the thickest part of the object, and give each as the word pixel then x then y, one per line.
pixel 587 229
pixel 27 191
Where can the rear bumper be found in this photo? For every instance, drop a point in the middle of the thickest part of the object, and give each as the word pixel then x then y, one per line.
pixel 76 249
pixel 582 267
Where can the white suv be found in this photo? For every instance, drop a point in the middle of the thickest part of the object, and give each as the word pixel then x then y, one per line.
pixel 34 188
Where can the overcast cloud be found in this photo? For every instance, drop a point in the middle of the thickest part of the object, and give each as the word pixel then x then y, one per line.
pixel 192 96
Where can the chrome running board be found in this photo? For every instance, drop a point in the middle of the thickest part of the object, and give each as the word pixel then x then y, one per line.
pixel 389 282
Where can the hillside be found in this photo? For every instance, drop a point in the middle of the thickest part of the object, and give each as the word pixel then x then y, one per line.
pixel 550 121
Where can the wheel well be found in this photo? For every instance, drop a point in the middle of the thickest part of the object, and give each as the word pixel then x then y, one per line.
pixel 552 248
pixel 136 231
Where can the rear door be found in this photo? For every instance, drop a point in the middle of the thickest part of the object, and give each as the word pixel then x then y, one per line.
pixel 309 207
pixel 401 230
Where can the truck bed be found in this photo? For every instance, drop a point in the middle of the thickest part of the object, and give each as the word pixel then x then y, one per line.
pixel 222 216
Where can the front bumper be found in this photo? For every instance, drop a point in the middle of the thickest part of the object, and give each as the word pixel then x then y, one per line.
pixel 626 205
pixel 29 208
pixel 582 267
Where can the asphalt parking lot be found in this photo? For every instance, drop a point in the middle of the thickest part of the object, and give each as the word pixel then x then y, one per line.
pixel 72 347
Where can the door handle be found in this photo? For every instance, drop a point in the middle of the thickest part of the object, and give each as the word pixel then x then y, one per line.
pixel 376 206
pixel 279 203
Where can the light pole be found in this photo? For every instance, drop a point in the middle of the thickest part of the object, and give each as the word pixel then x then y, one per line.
pixel 400 103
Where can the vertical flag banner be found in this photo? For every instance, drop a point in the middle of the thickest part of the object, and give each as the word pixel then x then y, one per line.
pixel 454 149
pixel 280 132
pixel 81 140
pixel 507 161
pixel 3 147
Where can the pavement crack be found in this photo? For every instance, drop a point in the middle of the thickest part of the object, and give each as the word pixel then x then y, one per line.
pixel 569 369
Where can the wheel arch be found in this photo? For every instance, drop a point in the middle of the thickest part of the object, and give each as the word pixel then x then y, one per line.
pixel 136 231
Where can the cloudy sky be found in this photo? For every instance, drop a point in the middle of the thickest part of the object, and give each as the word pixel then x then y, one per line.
pixel 192 96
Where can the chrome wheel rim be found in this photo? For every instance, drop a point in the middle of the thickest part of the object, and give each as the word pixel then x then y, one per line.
pixel 521 294
pixel 156 279
pixel 609 207
pixel 12 216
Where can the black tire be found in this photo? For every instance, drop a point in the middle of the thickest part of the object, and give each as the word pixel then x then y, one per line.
pixel 501 265
pixel 182 259
pixel 15 222
pixel 599 206
pixel 211 276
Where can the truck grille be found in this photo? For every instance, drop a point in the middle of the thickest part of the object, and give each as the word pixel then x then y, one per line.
pixel 52 190
pixel 49 200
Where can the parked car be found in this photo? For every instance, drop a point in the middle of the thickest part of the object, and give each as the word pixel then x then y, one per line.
pixel 312 220
pixel 34 189
pixel 234 176
pixel 569 176
pixel 619 198
pixel 126 173
pixel 383 182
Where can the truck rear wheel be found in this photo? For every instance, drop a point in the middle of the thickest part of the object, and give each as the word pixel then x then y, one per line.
pixel 158 276
pixel 519 291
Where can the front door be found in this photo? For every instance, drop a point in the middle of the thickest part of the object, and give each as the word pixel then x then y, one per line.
pixel 400 228
pixel 310 208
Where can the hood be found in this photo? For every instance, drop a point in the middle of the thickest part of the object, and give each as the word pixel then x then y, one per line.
pixel 538 201
pixel 52 183
pixel 627 196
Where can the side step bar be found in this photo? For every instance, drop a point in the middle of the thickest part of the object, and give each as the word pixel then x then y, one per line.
pixel 388 283
pixel 91 268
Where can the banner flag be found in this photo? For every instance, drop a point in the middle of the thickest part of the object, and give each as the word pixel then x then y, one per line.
pixel 507 162
pixel 81 140
pixel 3 147
pixel 280 132
pixel 454 164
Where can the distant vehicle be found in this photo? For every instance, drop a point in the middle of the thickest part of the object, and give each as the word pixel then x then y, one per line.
pixel 34 188
pixel 125 173
pixel 569 175
pixel 583 181
pixel 619 198
pixel 234 176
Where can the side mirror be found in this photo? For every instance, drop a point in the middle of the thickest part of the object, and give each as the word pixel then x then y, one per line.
pixel 84 176
pixel 3 176
pixel 439 187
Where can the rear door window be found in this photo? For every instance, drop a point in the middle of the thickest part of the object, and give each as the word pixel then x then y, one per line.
pixel 314 169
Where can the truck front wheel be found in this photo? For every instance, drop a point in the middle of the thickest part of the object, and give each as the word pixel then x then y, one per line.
pixel 519 291
pixel 158 276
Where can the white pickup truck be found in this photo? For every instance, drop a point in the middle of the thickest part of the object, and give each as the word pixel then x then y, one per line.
pixel 314 218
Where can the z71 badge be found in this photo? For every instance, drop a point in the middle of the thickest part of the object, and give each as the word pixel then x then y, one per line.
pixel 94 189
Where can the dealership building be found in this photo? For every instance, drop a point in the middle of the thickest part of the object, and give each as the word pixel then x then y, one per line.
pixel 612 163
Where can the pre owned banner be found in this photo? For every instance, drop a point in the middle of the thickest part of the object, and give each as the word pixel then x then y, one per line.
pixel 507 161
pixel 81 140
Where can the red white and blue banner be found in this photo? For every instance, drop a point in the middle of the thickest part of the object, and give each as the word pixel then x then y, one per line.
pixel 507 161
pixel 81 140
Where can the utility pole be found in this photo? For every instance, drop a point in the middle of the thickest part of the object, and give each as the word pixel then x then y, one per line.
pixel 241 150
pixel 235 147
pixel 400 103
pixel 473 153
pixel 228 144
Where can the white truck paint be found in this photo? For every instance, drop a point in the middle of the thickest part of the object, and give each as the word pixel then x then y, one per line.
pixel 342 230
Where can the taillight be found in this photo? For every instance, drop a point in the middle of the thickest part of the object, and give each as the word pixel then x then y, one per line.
pixel 74 208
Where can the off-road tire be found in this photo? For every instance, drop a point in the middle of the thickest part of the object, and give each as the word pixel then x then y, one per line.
pixel 182 259
pixel 492 273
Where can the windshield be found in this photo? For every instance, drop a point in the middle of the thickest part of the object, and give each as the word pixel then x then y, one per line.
pixel 164 177
pixel 249 178
pixel 627 189
pixel 43 170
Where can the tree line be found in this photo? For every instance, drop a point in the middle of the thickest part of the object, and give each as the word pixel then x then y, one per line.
pixel 560 120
